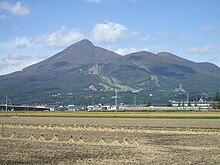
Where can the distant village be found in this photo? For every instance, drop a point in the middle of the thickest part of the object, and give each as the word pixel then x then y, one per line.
pixel 186 105
pixel 173 105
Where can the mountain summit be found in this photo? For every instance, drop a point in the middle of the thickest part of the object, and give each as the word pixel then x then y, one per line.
pixel 83 73
pixel 80 53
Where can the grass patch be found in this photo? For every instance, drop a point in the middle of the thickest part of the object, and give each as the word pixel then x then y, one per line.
pixel 165 115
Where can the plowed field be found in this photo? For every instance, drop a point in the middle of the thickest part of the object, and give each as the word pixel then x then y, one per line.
pixel 48 140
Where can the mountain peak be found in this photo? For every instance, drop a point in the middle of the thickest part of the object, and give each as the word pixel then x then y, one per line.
pixel 83 43
pixel 76 55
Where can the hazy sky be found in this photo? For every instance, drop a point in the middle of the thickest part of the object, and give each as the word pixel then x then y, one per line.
pixel 33 30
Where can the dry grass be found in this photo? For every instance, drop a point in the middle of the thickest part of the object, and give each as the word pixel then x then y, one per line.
pixel 119 114
pixel 53 142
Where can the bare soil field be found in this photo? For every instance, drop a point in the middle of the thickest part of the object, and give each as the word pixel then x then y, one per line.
pixel 155 122
pixel 48 140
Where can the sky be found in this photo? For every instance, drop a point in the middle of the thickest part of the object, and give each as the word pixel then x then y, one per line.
pixel 33 30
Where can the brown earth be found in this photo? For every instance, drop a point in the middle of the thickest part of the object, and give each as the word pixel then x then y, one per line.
pixel 109 141
pixel 207 123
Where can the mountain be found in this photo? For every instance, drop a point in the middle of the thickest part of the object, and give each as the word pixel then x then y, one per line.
pixel 86 74
pixel 74 56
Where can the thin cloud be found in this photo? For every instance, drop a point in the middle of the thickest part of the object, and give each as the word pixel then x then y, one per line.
pixel 21 43
pixel 19 46
pixel 208 28
pixel 208 48
pixel 13 59
pixel 17 57
pixel 149 38
pixel 108 32
pixel 16 43
pixel 44 55
pixel 124 51
pixel 132 1
pixel 60 38
pixel 184 37
pixel 99 1
pixel 93 1
pixel 164 34
pixel 14 29
pixel 4 17
pixel 17 9
pixel 40 5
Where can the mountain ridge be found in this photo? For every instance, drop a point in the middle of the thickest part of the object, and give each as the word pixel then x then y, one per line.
pixel 70 57
pixel 83 71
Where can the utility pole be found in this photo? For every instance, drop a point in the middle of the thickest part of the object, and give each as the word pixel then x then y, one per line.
pixel 187 97
pixel 116 101
pixel 6 105
pixel 135 100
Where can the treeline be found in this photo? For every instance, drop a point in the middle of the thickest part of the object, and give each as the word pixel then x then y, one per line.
pixel 216 101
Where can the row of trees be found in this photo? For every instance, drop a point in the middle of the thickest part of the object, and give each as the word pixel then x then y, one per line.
pixel 215 104
pixel 216 101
